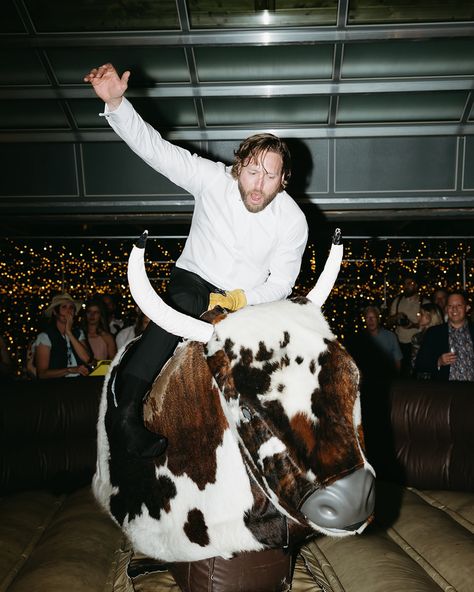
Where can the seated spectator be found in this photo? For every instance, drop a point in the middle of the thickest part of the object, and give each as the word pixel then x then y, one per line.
pixel 447 351
pixel 404 320
pixel 101 342
pixel 385 339
pixel 61 350
pixel 114 322
pixel 128 333
pixel 430 315
pixel 6 365
pixel 377 354
pixel 440 297
pixel 376 350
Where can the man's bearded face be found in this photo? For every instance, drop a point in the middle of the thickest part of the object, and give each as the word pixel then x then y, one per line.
pixel 260 181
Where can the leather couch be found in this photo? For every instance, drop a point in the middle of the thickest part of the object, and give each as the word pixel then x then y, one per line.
pixel 54 538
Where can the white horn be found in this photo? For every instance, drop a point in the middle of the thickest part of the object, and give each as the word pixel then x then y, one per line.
pixel 155 308
pixel 328 276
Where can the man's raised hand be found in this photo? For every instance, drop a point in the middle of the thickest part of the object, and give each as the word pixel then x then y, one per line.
pixel 108 85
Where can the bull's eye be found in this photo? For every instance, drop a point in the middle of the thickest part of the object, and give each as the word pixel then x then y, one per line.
pixel 246 413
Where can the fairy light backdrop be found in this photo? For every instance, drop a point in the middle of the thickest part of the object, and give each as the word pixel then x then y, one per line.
pixel 32 271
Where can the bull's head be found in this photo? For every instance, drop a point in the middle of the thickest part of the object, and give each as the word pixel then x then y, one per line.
pixel 279 382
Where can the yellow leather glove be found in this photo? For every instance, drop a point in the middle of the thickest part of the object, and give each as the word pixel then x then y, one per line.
pixel 232 300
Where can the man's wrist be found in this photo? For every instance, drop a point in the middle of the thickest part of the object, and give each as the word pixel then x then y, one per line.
pixel 113 104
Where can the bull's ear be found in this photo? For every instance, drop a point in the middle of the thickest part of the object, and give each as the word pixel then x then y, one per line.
pixel 215 315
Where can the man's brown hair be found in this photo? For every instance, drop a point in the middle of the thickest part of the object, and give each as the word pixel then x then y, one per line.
pixel 257 146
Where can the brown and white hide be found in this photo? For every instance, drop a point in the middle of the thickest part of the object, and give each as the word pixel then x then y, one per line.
pixel 259 419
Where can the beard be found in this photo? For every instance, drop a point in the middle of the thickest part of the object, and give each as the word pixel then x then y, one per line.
pixel 255 208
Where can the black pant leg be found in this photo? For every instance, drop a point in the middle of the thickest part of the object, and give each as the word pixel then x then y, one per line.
pixel 188 293
pixel 406 360
pixel 145 358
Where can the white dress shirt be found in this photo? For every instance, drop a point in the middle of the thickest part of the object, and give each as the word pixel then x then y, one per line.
pixel 227 245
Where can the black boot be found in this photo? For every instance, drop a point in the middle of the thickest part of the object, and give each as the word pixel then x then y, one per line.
pixel 129 428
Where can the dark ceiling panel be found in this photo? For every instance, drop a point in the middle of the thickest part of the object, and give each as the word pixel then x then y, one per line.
pixel 282 110
pixel 22 66
pixel 468 176
pixel 103 15
pixel 114 170
pixel 443 57
pixel 399 107
pixel 148 65
pixel 10 21
pixel 86 113
pixel 32 115
pixel 381 106
pixel 386 165
pixel 281 62
pixel 162 114
pixel 260 13
pixel 165 114
pixel 46 170
pixel 363 12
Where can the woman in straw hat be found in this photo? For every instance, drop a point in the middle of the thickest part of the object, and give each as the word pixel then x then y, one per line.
pixel 61 350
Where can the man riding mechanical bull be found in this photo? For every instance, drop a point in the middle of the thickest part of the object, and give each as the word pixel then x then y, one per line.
pixel 245 437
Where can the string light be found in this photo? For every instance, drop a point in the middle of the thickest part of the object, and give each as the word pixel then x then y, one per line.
pixel 31 272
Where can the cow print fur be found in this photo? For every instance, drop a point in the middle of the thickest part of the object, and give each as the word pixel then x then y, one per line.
pixel 256 419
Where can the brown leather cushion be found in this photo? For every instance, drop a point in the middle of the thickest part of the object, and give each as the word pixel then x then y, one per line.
pixel 433 435
pixel 48 434
pixel 268 570
pixel 419 433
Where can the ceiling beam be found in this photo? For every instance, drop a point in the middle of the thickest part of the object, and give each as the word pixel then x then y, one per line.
pixel 287 89
pixel 183 205
pixel 262 36
pixel 239 133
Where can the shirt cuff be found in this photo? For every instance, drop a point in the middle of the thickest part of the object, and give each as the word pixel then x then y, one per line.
pixel 122 107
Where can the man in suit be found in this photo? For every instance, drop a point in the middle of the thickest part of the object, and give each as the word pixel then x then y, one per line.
pixel 447 350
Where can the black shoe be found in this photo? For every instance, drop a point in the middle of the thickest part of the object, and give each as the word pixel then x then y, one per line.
pixel 128 425
pixel 141 443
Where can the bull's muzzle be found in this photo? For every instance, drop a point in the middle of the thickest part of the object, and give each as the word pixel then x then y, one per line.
pixel 345 505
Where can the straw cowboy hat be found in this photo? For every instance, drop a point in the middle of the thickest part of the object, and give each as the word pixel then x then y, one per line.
pixel 62 299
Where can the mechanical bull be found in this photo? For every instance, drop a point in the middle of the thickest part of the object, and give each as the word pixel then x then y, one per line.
pixel 265 446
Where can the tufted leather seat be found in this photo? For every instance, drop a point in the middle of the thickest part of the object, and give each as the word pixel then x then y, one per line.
pixel 54 538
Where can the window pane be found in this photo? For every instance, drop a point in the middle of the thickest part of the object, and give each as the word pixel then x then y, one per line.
pixel 401 107
pixel 260 13
pixel 282 62
pixel 24 114
pixel 363 12
pixel 443 57
pixel 103 15
pixel 148 65
pixel 271 111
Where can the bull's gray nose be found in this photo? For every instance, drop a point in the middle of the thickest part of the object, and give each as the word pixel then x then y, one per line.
pixel 345 504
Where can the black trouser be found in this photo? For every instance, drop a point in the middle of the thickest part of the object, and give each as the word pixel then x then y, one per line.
pixel 143 361
pixel 406 369
pixel 188 293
